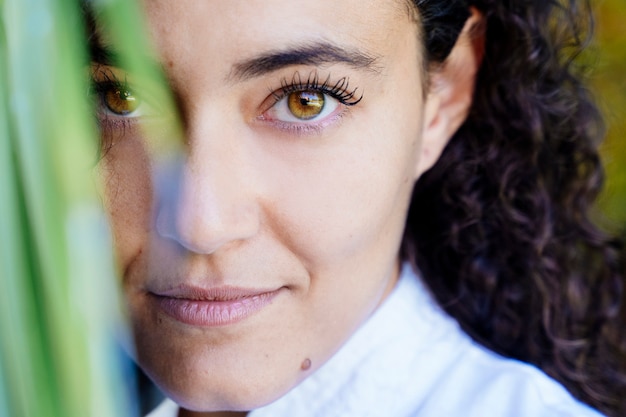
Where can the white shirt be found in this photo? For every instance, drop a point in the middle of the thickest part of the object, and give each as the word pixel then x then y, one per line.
pixel 410 359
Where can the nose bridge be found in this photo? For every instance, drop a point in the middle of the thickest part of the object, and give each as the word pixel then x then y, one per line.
pixel 213 203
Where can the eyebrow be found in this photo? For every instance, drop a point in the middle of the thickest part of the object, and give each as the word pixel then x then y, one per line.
pixel 315 54
pixel 107 56
pixel 101 54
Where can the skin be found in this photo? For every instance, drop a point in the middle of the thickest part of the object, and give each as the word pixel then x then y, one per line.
pixel 317 213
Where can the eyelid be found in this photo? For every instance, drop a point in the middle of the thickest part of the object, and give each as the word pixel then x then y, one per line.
pixel 104 77
pixel 110 123
pixel 99 88
pixel 339 91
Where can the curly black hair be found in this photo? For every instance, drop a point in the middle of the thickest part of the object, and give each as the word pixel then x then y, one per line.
pixel 509 249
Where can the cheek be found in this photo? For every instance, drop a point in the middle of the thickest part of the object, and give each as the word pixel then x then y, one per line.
pixel 128 197
pixel 351 199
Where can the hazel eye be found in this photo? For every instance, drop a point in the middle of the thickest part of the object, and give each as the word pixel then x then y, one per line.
pixel 120 100
pixel 303 106
pixel 306 105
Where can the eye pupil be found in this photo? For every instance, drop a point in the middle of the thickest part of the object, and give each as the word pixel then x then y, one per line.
pixel 306 105
pixel 120 101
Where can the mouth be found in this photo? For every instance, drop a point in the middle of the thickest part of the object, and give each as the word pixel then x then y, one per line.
pixel 213 307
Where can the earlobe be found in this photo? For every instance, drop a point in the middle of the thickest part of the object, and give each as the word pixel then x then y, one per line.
pixel 451 90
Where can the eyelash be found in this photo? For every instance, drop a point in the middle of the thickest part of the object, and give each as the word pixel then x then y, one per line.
pixel 339 90
pixel 99 87
pixel 109 81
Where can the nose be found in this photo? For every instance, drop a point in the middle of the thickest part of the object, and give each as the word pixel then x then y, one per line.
pixel 206 201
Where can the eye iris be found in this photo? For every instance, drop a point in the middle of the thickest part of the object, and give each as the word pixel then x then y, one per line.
pixel 121 101
pixel 306 104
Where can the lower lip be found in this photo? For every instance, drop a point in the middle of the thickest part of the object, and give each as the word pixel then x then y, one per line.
pixel 214 313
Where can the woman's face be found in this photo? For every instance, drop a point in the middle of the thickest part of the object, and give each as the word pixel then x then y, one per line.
pixel 261 249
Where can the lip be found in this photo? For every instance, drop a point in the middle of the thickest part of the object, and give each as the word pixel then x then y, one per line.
pixel 213 307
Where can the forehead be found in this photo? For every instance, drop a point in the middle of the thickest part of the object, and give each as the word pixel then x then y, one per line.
pixel 218 33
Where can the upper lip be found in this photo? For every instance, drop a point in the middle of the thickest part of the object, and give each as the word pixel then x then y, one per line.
pixel 222 293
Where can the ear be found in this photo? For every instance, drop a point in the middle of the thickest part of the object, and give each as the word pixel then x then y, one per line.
pixel 451 89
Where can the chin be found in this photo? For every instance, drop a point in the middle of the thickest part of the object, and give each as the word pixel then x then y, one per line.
pixel 208 378
pixel 207 394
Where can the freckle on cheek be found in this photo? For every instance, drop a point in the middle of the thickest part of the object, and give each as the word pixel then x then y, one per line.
pixel 306 364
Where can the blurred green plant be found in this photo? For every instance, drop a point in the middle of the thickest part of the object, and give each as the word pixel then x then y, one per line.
pixel 56 321
pixel 60 316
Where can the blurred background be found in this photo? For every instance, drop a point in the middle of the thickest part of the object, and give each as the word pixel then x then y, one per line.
pixel 609 83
